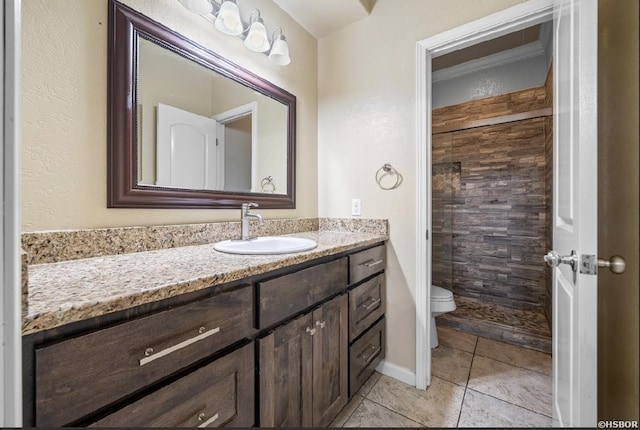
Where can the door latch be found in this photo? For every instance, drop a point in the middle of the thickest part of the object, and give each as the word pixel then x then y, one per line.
pixel 589 264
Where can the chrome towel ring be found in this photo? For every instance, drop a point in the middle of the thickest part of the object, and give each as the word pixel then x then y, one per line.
pixel 267 185
pixel 388 170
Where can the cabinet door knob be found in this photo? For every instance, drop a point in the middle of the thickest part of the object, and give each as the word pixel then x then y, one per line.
pixel 321 324
pixel 311 331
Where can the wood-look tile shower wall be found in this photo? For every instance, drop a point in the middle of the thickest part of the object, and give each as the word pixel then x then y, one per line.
pixel 490 202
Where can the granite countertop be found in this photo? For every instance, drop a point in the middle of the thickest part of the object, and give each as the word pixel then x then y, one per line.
pixel 70 291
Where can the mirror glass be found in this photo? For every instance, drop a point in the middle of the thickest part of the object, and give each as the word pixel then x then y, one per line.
pixel 190 129
pixel 200 130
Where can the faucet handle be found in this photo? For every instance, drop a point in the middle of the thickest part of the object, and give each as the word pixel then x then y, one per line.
pixel 249 205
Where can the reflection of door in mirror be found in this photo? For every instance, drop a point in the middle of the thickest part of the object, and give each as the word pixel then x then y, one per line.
pixel 200 153
pixel 187 151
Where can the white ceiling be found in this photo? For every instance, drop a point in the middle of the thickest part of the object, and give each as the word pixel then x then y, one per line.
pixel 321 17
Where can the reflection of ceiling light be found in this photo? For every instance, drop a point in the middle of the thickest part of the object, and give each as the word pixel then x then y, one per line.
pixel 257 39
pixel 199 7
pixel 226 17
pixel 280 51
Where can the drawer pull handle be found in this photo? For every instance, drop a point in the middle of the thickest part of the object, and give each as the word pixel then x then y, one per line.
pixel 149 358
pixel 373 303
pixel 311 331
pixel 321 324
pixel 369 358
pixel 202 416
pixel 371 263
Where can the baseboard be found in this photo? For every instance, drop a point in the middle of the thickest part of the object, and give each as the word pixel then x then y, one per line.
pixel 400 373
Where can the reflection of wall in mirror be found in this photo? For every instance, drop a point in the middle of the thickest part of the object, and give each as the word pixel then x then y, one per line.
pixel 237 155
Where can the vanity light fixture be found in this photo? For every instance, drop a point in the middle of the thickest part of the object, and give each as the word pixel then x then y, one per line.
pixel 280 50
pixel 257 39
pixel 226 18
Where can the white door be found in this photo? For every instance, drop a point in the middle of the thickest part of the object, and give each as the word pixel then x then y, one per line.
pixel 187 154
pixel 575 212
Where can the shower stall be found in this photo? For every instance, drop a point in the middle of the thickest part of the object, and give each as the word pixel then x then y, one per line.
pixel 491 205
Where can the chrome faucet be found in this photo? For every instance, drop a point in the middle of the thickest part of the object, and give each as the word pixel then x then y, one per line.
pixel 245 215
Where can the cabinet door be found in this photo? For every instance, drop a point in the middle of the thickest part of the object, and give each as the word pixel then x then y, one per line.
pixel 286 375
pixel 330 350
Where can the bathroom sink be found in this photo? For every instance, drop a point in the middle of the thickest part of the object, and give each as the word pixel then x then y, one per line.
pixel 267 245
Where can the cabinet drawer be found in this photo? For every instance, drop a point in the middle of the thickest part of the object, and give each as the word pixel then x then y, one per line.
pixel 283 297
pixel 80 375
pixel 218 394
pixel 365 263
pixel 365 355
pixel 366 305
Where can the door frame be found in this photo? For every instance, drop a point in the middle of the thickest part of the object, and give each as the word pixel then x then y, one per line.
pixel 498 24
pixel 236 113
pixel 11 261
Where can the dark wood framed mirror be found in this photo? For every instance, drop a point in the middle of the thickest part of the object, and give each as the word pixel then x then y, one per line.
pixel 179 149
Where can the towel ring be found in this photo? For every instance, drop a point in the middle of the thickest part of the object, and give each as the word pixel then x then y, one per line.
pixel 388 170
pixel 267 185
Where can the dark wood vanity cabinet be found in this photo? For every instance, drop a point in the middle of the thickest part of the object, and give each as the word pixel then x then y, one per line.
pixel 303 368
pixel 283 349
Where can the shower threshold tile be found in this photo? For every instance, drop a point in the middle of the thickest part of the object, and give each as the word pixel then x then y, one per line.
pixel 532 321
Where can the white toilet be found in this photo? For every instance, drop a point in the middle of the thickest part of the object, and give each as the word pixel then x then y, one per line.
pixel 441 302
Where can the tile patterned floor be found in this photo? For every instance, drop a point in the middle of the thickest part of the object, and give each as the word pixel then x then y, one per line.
pixel 476 382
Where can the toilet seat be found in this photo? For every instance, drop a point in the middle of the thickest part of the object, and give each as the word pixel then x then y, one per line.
pixel 439 294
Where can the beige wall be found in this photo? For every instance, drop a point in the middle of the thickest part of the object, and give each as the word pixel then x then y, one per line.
pixel 618 143
pixel 366 117
pixel 64 90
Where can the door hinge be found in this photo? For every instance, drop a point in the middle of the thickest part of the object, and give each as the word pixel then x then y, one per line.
pixel 427 236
